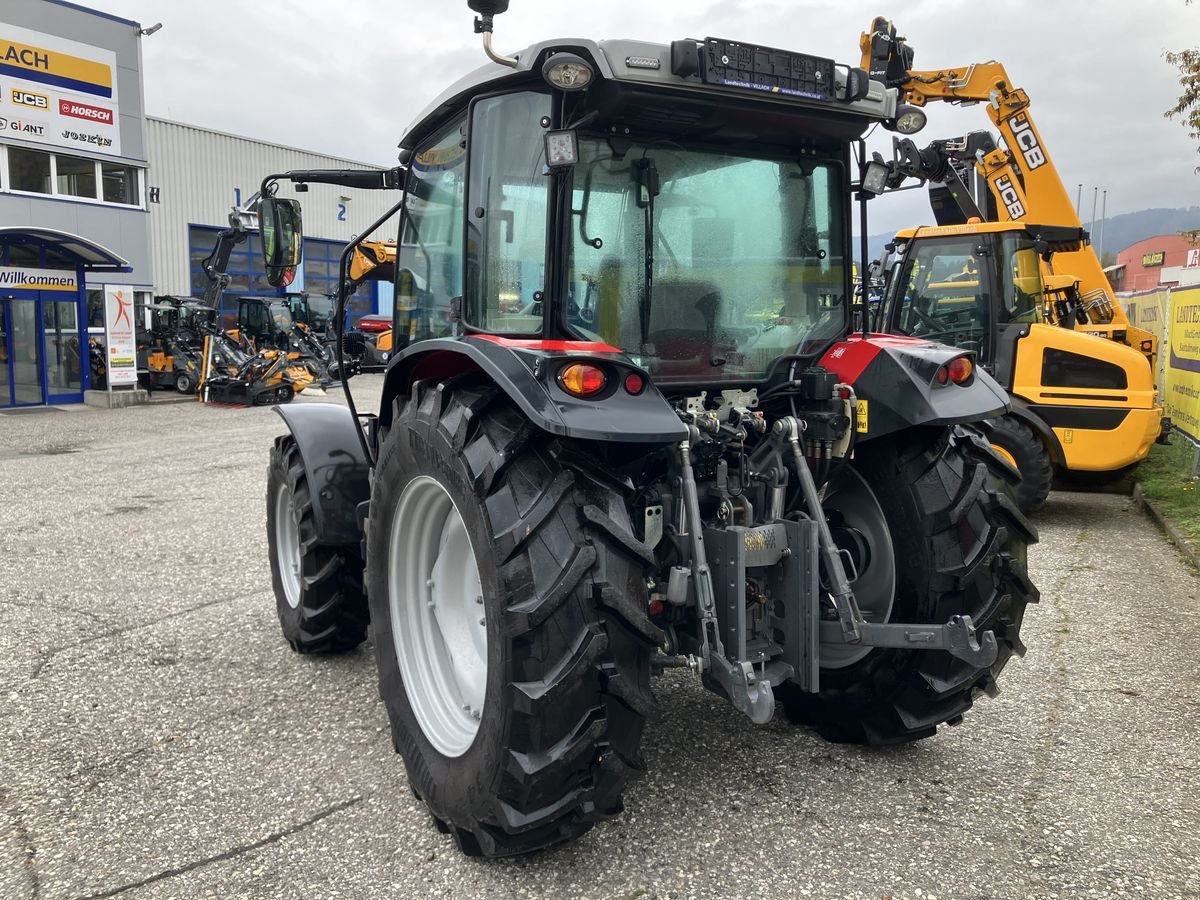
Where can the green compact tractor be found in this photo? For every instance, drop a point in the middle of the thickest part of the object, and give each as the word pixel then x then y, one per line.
pixel 627 428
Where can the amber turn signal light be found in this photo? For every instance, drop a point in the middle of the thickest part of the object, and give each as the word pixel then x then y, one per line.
pixel 582 379
pixel 959 370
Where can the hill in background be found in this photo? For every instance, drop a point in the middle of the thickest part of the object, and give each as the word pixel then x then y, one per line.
pixel 1119 231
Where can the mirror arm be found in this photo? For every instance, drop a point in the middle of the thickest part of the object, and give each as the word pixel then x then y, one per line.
pixel 366 179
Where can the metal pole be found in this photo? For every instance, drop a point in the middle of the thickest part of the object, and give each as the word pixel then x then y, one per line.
pixel 1195 476
pixel 1078 197
pixel 1095 195
pixel 1103 215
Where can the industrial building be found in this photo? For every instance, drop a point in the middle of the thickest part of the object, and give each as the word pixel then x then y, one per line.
pixel 94 193
pixel 1165 260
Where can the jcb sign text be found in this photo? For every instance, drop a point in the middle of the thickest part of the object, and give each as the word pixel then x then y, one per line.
pixel 28 98
pixel 1010 198
pixel 1027 142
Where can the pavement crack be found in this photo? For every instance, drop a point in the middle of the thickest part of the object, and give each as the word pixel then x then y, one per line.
pixel 273 838
pixel 49 654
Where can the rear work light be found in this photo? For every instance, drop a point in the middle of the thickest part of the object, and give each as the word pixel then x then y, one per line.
pixel 958 371
pixel 582 379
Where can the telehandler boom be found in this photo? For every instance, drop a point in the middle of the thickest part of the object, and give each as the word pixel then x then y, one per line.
pixel 1021 176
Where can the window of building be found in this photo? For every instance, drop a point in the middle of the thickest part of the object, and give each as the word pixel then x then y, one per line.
pixel 245 268
pixel 120 184
pixel 322 261
pixel 76 176
pixel 63 175
pixel 28 170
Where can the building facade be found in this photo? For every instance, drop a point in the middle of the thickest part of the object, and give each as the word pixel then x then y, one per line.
pixel 72 188
pixel 93 193
pixel 1166 260
pixel 198 176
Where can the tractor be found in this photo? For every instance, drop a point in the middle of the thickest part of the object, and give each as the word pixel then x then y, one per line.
pixel 627 428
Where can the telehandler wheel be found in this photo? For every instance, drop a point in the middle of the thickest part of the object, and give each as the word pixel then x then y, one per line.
pixel 185 383
pixel 959 548
pixel 318 589
pixel 508 597
pixel 1019 446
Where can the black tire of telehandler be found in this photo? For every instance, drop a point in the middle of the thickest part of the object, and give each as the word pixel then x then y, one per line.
pixel 331 616
pixel 960 546
pixel 1032 460
pixel 569 641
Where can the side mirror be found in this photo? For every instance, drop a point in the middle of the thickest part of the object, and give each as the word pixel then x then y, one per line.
pixel 282 238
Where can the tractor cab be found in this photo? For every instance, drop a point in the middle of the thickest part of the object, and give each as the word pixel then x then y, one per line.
pixel 314 311
pixel 265 322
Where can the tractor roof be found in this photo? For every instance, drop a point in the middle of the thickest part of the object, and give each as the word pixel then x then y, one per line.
pixel 645 64
pixel 954 230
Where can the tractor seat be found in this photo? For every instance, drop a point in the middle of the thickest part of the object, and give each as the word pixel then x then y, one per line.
pixel 683 319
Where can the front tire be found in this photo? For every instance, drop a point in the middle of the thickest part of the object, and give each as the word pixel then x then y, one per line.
pixel 566 642
pixel 959 549
pixel 1017 444
pixel 318 588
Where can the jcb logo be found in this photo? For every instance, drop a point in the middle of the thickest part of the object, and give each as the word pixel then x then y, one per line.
pixel 28 98
pixel 1027 142
pixel 1010 198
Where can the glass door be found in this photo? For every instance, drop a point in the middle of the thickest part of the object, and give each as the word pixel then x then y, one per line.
pixel 23 352
pixel 62 351
pixel 6 393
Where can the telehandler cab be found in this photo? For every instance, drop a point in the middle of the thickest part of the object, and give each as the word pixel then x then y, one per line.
pixel 626 428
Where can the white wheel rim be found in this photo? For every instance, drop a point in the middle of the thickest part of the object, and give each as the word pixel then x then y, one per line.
pixel 439 628
pixel 287 545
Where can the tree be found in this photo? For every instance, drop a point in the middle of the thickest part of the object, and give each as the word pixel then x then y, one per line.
pixel 1188 107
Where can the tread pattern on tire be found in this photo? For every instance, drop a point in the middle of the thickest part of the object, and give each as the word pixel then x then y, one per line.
pixel 975 531
pixel 332 616
pixel 1033 461
pixel 578 648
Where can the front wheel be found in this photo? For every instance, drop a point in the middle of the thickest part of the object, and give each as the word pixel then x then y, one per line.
pixel 318 588
pixel 185 383
pixel 508 599
pixel 946 540
pixel 1024 451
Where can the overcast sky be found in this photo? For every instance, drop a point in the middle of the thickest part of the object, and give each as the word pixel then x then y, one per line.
pixel 346 77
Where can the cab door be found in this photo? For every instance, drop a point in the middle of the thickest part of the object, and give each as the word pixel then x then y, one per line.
pixel 944 290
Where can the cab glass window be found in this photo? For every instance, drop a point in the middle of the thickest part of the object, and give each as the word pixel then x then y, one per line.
pixel 506 228
pixel 702 263
pixel 429 261
pixel 1021 298
pixel 943 293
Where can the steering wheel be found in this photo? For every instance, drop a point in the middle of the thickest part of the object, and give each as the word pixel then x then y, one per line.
pixel 925 319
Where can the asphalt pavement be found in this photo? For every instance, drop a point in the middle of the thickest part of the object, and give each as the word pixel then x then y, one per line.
pixel 159 739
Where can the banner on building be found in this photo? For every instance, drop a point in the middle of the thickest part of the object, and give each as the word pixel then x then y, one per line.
pixel 1182 393
pixel 58 92
pixel 120 334
pixel 26 278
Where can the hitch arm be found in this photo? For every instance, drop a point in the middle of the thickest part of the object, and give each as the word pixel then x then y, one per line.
pixel 790 429
pixel 957 637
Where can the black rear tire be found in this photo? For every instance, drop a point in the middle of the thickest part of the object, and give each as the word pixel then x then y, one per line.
pixel 960 549
pixel 1031 459
pixel 568 638
pixel 331 613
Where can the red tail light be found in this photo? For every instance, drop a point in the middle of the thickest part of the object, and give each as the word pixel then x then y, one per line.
pixel 959 371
